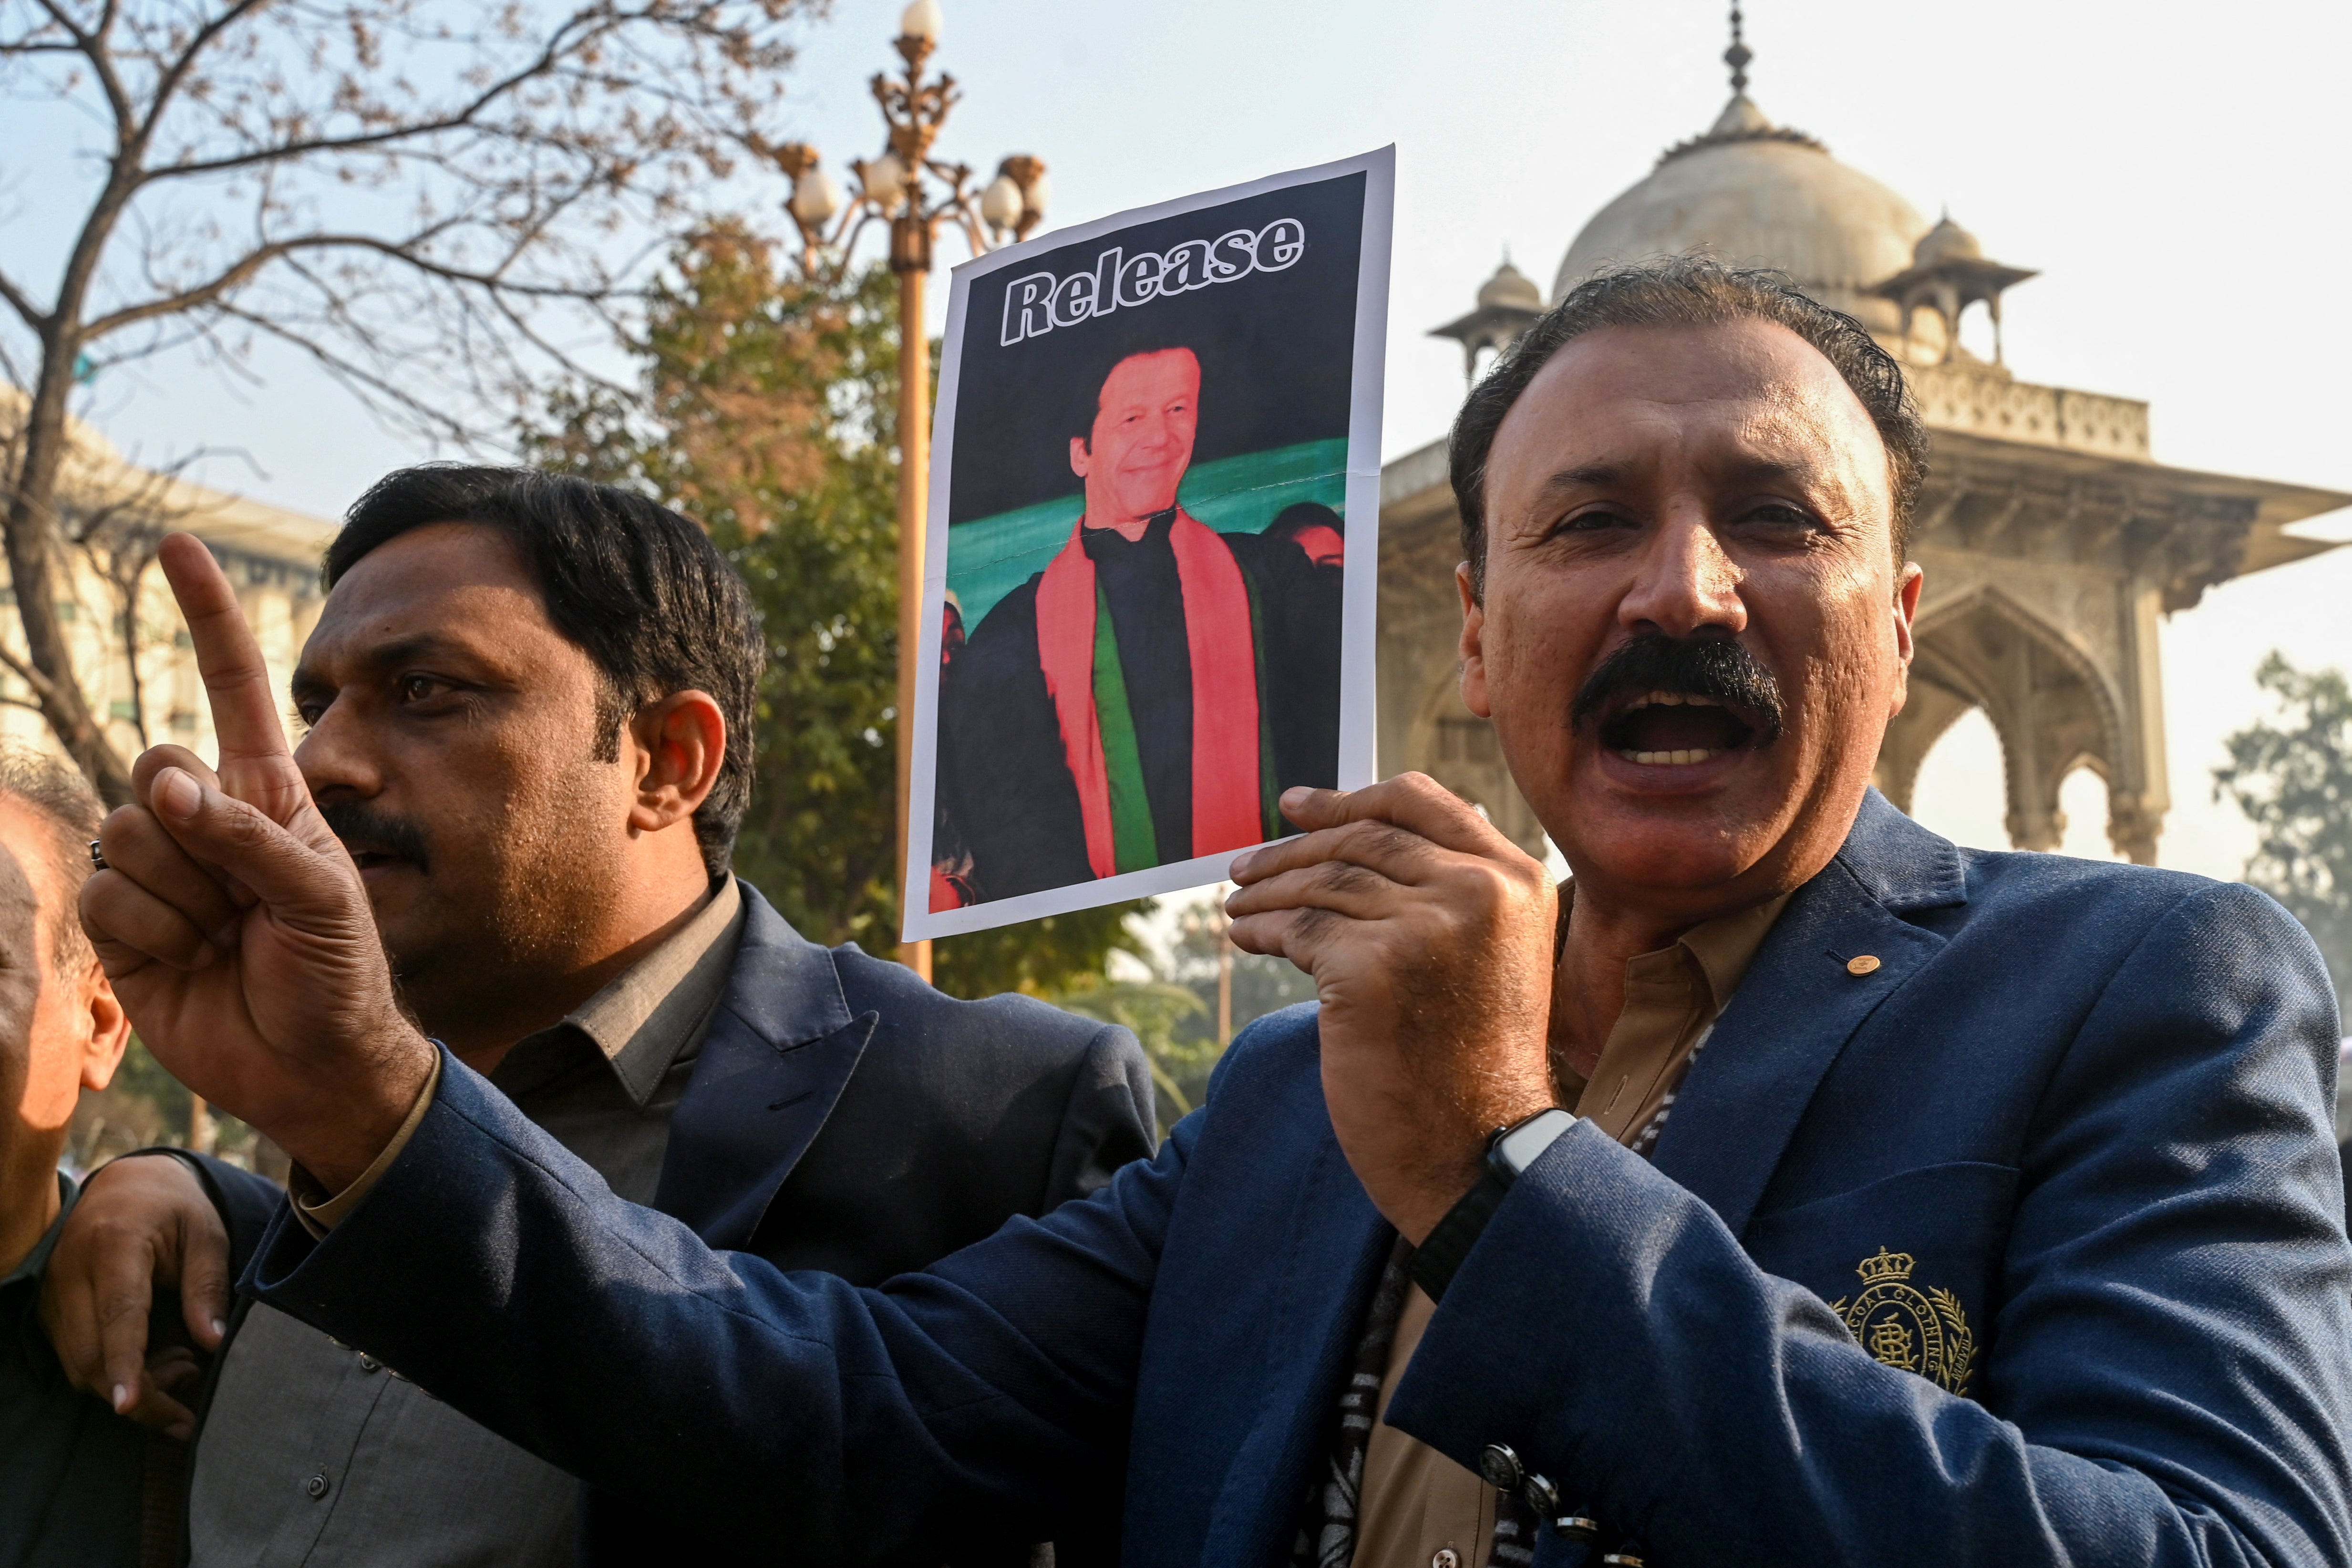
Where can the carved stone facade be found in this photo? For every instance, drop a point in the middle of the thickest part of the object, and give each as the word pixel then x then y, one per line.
pixel 2052 542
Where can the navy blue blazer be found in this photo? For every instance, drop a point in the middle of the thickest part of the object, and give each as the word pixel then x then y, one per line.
pixel 2026 1245
pixel 842 1115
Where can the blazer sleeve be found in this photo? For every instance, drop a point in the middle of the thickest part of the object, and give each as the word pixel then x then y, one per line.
pixel 2169 1362
pixel 982 1398
pixel 1108 1121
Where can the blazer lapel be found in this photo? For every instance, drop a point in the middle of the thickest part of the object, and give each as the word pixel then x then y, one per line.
pixel 1801 1001
pixel 779 1051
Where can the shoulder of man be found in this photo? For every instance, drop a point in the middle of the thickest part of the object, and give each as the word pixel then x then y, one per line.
pixel 1010 625
pixel 1019 1031
pixel 1075 1089
pixel 2162 971
pixel 2092 906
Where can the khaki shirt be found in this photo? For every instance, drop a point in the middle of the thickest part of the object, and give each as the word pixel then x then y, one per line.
pixel 1417 1506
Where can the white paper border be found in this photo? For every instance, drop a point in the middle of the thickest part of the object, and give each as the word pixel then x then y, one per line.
pixel 1358 713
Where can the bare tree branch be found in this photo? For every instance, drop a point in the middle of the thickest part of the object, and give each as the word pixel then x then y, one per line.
pixel 22 303
pixel 427 200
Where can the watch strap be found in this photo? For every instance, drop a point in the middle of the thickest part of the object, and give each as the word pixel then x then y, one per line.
pixel 1509 1151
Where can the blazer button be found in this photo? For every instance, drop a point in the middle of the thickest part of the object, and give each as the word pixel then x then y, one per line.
pixel 315 1486
pixel 1501 1467
pixel 369 1363
pixel 1445 1557
pixel 1542 1497
pixel 1862 963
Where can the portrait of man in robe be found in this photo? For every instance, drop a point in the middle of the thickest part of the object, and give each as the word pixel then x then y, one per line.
pixel 1146 697
pixel 1154 434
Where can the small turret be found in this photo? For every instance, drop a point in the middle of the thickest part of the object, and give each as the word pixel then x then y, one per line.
pixel 1508 304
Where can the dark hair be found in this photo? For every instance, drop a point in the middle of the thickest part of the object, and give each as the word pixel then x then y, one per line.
pixel 65 804
pixel 642 591
pixel 1688 291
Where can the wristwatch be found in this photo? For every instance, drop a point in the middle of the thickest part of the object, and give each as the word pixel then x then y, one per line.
pixel 1509 1151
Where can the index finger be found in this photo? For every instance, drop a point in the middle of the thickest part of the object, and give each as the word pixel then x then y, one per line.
pixel 237 680
pixel 1415 802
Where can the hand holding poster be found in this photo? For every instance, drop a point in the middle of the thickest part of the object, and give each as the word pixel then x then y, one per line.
pixel 1150 589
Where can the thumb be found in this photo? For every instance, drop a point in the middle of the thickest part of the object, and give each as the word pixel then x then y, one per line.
pixel 240 840
pixel 204 1281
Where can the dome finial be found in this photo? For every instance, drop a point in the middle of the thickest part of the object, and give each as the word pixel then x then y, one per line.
pixel 1738 55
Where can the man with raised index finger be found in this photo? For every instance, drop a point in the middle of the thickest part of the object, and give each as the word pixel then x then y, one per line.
pixel 1813 1192
pixel 525 712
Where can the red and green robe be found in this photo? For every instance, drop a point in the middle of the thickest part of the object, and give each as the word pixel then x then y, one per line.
pixel 1140 702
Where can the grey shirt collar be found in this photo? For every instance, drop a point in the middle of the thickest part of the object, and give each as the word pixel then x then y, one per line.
pixel 654 1012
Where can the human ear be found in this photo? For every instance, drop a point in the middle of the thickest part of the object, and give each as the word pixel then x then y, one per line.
pixel 110 1028
pixel 1081 459
pixel 682 740
pixel 1907 586
pixel 1474 644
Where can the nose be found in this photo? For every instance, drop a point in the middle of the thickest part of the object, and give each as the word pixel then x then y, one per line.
pixel 1683 583
pixel 337 760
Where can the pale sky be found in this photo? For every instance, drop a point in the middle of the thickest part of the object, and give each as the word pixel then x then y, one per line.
pixel 2176 171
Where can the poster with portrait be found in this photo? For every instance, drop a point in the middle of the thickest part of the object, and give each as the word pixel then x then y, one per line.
pixel 1149 591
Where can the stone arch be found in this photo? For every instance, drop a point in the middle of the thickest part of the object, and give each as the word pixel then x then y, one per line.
pixel 2052 708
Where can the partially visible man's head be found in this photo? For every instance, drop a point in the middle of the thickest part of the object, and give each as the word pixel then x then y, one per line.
pixel 1134 454
pixel 1685 495
pixel 61 1030
pixel 523 691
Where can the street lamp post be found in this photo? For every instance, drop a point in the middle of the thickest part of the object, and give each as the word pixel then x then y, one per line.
pixel 896 189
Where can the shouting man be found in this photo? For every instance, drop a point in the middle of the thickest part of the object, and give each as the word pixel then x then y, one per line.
pixel 1815 1192
pixel 1147 697
pixel 527 711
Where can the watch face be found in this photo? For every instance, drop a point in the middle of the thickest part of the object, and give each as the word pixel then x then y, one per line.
pixel 1518 1148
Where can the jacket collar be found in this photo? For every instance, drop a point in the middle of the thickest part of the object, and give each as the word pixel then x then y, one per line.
pixel 1800 1003
pixel 780 1048
pixel 1899 863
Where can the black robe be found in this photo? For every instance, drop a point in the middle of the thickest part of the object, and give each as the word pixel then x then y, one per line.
pixel 1004 787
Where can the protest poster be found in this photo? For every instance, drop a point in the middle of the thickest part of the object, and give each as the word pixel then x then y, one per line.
pixel 1149 591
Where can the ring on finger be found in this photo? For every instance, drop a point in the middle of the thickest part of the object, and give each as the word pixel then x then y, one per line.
pixel 97 858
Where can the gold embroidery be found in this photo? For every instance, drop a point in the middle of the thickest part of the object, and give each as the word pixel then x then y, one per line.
pixel 1927 1333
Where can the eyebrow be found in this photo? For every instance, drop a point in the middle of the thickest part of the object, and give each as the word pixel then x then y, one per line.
pixel 1604 474
pixel 307 681
pixel 1584 477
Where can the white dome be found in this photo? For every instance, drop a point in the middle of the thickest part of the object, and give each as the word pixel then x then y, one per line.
pixel 1752 196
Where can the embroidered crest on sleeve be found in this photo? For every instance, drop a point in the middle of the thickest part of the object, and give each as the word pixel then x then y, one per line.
pixel 1920 1331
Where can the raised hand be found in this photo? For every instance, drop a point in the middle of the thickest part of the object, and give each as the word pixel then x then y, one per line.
pixel 235 927
pixel 1430 938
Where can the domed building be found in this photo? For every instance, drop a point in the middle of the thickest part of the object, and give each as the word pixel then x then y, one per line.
pixel 2052 541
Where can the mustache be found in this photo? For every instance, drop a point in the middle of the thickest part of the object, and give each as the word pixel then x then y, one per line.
pixel 364 828
pixel 1717 666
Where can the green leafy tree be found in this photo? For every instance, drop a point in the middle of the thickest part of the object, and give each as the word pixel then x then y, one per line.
pixel 767 411
pixel 2293 778
pixel 1172 1008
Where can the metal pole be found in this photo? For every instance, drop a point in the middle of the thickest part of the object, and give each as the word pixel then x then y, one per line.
pixel 914 501
pixel 1224 923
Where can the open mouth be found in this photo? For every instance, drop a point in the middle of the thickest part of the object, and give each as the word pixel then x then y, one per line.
pixel 1674 729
